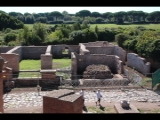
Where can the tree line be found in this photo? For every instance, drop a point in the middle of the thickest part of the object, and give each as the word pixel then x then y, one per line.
pixel 92 17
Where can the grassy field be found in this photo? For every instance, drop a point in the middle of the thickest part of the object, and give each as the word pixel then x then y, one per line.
pixel 101 26
pixel 36 65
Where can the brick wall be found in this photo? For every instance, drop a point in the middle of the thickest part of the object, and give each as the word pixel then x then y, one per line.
pixel 33 52
pixel 13 61
pixel 63 104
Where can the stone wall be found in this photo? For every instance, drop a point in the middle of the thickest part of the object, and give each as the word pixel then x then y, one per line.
pixel 13 61
pixel 5 49
pixel 58 102
pixel 102 47
pixel 46 59
pixel 121 53
pixel 33 52
pixel 28 82
pixel 83 61
pixel 17 50
pixel 57 51
pixel 101 50
pixel 97 43
pixel 83 50
pixel 138 63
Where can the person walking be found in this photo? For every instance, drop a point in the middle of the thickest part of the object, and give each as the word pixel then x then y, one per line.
pixel 99 96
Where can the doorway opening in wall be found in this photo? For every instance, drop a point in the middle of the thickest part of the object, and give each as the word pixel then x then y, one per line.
pixel 65 51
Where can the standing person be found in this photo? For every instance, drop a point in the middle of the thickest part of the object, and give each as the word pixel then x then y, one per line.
pixel 99 96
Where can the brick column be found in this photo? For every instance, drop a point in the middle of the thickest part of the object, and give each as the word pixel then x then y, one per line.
pixel 1 84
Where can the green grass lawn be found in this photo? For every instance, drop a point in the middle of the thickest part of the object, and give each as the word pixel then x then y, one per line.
pixel 36 65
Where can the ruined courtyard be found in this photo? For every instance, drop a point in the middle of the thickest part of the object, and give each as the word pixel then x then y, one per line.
pixel 83 55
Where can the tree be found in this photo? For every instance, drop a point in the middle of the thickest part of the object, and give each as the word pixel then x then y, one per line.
pixel 7 21
pixel 76 26
pixel 56 15
pixel 119 16
pixel 96 29
pixel 83 13
pixel 95 14
pixel 42 20
pixel 29 19
pixel 85 24
pixel 40 30
pixel 99 20
pixel 14 14
pixel 120 38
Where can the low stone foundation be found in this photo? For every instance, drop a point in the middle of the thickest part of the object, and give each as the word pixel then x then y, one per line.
pixel 62 101
pixel 32 82
pixel 48 74
pixel 119 109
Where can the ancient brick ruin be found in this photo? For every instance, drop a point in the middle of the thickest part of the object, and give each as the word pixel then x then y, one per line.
pixel 82 55
pixel 62 101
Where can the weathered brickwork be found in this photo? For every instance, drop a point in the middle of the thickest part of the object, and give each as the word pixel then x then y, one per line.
pixel 62 101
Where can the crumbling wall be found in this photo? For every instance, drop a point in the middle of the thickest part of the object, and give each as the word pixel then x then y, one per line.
pixel 110 60
pixel 83 50
pixel 13 61
pixel 138 63
pixel 120 53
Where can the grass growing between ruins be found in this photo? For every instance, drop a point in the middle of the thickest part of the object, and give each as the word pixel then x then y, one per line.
pixel 61 63
pixel 30 65
pixel 36 65
pixel 98 109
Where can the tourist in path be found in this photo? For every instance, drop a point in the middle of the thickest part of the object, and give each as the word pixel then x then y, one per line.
pixel 99 96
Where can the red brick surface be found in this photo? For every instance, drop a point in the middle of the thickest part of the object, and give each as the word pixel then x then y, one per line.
pixel 55 105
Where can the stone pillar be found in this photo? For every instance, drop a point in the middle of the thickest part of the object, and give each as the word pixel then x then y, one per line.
pixel 1 85
pixel 46 61
pixel 73 66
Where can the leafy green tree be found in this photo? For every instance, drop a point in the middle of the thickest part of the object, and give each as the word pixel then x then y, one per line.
pixel 10 37
pixel 120 38
pixel 90 36
pixel 76 26
pixel 40 30
pixel 83 13
pixel 85 24
pixel 95 14
pixel 96 29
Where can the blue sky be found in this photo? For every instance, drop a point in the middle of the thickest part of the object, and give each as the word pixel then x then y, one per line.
pixel 73 10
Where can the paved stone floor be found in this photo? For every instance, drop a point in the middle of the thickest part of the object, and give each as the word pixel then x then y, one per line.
pixel 29 99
